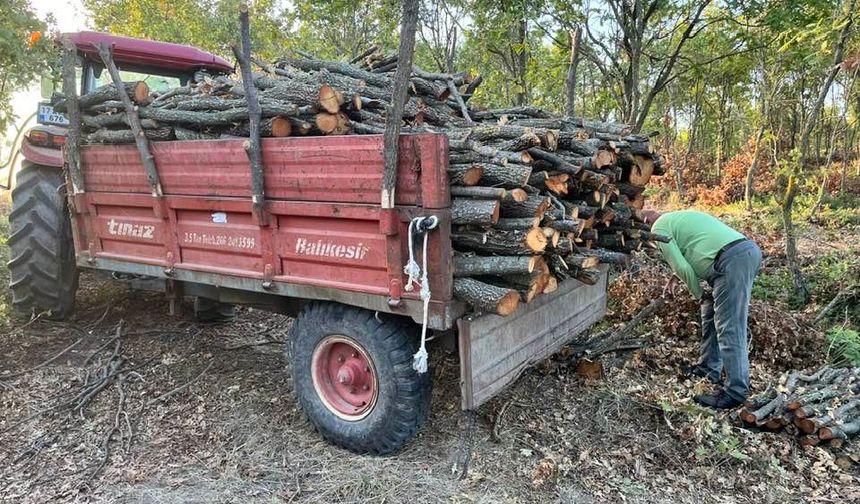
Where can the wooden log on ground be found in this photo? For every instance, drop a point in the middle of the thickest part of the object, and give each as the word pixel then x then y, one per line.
pixel 494 241
pixel 468 266
pixel 843 431
pixel 478 212
pixel 486 297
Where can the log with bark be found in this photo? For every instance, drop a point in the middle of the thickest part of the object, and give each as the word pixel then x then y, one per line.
pixel 817 407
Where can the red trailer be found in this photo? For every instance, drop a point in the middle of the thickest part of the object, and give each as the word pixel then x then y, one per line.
pixel 319 248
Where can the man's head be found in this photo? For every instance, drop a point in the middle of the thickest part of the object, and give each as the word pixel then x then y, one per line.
pixel 649 216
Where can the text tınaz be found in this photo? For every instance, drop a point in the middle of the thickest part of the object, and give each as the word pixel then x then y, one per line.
pixel 146 231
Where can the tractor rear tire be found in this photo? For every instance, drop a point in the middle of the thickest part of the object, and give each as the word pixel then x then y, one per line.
pixel 352 373
pixel 44 277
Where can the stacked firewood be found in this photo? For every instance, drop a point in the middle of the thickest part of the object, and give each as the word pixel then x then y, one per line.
pixel 535 198
pixel 822 407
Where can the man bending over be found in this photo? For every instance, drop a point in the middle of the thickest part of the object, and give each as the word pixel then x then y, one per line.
pixel 703 248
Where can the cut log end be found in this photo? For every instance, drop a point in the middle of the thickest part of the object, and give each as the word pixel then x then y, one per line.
pixel 518 195
pixel 281 126
pixel 140 92
pixel 536 240
pixel 330 99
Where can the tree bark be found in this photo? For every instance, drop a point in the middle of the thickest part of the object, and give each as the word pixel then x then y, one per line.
pixel 391 137
pixel 474 211
pixel 533 206
pixel 465 174
pixel 812 118
pixel 493 241
pixel 146 157
pixel 486 297
pixel 137 91
pixel 570 80
pixel 466 266
pixel 252 146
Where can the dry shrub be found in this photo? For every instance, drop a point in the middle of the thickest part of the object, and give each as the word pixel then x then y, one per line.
pixel 733 178
pixel 780 339
pixel 852 178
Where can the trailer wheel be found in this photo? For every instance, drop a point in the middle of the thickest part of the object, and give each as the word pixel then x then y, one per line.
pixel 353 376
pixel 43 273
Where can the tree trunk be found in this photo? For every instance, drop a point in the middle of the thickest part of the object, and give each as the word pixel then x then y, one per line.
pixel 800 287
pixel 812 119
pixel 749 186
pixel 570 80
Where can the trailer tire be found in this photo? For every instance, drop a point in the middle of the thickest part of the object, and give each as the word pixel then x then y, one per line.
pixel 375 355
pixel 43 274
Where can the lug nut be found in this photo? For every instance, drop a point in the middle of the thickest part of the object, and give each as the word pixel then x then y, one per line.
pixel 366 387
pixel 340 358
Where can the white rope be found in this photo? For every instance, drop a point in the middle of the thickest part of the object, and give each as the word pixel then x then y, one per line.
pixel 419 359
pixel 412 270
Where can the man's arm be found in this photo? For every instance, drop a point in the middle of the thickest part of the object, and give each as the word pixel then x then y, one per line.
pixel 672 255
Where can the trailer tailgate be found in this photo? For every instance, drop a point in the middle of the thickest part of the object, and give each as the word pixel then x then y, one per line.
pixel 495 350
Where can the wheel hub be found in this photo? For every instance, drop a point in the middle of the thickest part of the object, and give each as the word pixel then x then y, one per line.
pixel 344 377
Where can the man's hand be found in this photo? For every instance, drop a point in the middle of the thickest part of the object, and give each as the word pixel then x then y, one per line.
pixel 670 286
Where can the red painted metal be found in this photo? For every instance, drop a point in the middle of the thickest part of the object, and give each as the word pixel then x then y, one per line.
pixel 44 156
pixel 326 228
pixel 344 377
pixel 149 53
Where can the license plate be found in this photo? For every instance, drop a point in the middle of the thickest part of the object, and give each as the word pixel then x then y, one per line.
pixel 47 115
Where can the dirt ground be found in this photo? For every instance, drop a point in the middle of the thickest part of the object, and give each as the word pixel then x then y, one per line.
pixel 229 428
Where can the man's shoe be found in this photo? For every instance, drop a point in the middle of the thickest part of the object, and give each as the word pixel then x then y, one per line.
pixel 719 400
pixel 697 371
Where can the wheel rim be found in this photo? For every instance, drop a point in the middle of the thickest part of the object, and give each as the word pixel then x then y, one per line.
pixel 344 377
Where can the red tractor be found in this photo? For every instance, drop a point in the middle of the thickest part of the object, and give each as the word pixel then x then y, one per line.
pixel 43 272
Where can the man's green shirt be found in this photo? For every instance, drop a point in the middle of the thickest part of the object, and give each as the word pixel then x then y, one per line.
pixel 696 239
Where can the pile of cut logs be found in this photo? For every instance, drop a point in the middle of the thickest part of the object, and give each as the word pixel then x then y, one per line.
pixel 822 407
pixel 535 198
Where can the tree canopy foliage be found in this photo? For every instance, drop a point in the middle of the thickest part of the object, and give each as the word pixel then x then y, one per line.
pixel 26 52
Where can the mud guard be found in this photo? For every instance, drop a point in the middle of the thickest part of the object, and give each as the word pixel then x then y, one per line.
pixel 495 350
